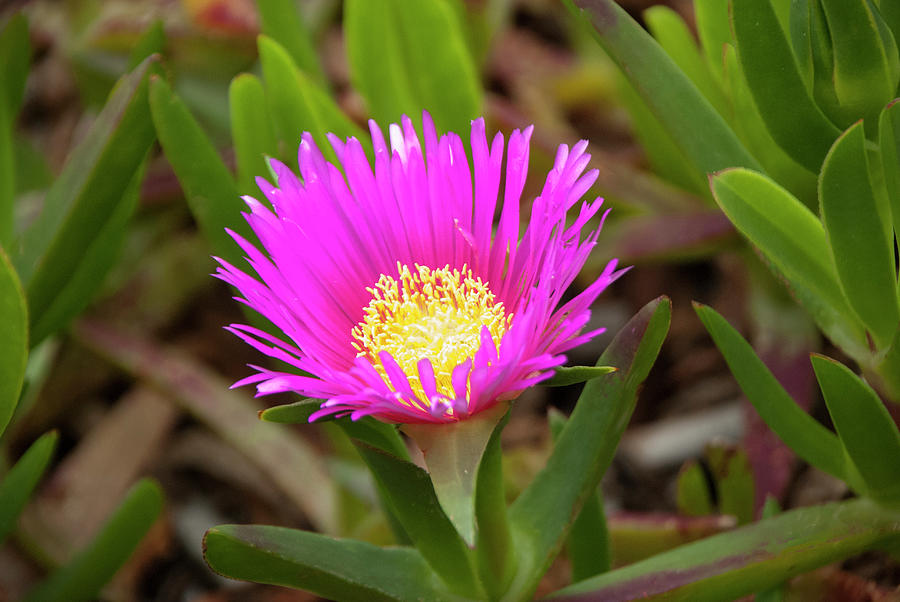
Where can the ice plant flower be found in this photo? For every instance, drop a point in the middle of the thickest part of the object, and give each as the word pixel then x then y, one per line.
pixel 396 296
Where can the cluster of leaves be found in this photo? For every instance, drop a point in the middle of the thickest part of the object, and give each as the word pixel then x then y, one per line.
pixel 49 271
pixel 751 119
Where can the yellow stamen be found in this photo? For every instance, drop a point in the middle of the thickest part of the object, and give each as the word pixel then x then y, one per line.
pixel 434 314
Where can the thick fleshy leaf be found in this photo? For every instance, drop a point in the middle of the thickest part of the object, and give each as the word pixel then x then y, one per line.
pixel 251 129
pixel 17 484
pixel 812 442
pixel 98 258
pixel 152 41
pixel 542 515
pixel 411 498
pixel 15 57
pixel 860 235
pixel 452 454
pixel 673 35
pixel 789 112
pixel 889 142
pixel 866 65
pixel 13 339
pixel 588 544
pixel 692 491
pixel 637 536
pixel 296 104
pixel 734 481
pixel 671 96
pixel 572 375
pixel 291 413
pixel 714 31
pixel 757 556
pixel 208 186
pixel 92 567
pixel 336 569
pixel 864 425
pixel 793 241
pixel 408 56
pixel 281 20
pixel 86 196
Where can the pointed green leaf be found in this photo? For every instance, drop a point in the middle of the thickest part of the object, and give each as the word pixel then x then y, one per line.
pixel 572 375
pixel 676 39
pixel 588 545
pixel 379 435
pixel 809 439
pixel 17 485
pixel 781 96
pixel 298 105
pixel 152 41
pixel 411 498
pixel 755 557
pixel 714 30
pixel 889 143
pixel 734 481
pixel 859 234
pixel 92 567
pixel 452 454
pixel 251 129
pixel 408 56
pixel 336 569
pixel 864 425
pixel 866 65
pixel 671 96
pixel 291 413
pixel 692 491
pixel 85 197
pixel 281 20
pixel 13 339
pixel 208 185
pixel 97 260
pixel 793 241
pixel 542 515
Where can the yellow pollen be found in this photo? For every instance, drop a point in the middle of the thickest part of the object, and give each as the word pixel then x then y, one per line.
pixel 434 314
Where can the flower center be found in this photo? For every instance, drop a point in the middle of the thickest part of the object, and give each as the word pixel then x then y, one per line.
pixel 434 314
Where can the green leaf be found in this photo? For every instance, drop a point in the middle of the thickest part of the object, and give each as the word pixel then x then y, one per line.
pixel 793 241
pixel 542 515
pixel 281 21
pixel 734 481
pixel 20 481
pixel 789 112
pixel 452 454
pixel 809 439
pixel 889 143
pixel 92 567
pixel 714 30
pixel 572 375
pixel 411 498
pixel 297 105
pixel 13 339
pixel 692 491
pixel 336 569
pixel 588 543
pixel 251 129
pixel 86 196
pixel 671 96
pixel 291 413
pixel 208 185
pixel 755 557
pixel 408 56
pixel 152 41
pixel 864 425
pixel 858 236
pixel 676 39
pixel 865 62
pixel 15 58
pixel 379 435
pixel 97 260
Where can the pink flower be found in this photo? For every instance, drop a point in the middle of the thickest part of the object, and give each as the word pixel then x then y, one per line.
pixel 395 296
